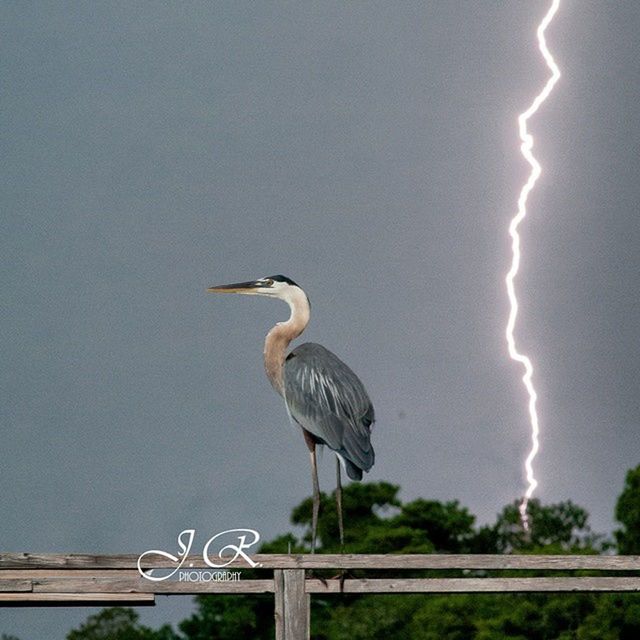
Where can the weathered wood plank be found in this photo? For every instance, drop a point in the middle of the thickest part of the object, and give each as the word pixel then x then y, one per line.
pixel 31 574
pixel 77 592
pixel 373 585
pixel 15 584
pixel 474 585
pixel 76 598
pixel 339 561
pixel 141 585
pixel 70 560
pixel 278 612
pixel 296 605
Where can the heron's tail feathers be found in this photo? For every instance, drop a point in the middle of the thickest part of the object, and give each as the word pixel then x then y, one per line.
pixel 355 473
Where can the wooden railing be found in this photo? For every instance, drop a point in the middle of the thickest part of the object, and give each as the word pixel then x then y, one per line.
pixel 72 579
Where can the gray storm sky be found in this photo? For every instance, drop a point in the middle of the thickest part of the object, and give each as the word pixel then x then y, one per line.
pixel 369 151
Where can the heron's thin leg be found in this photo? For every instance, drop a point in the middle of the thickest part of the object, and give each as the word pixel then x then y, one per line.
pixel 316 499
pixel 339 505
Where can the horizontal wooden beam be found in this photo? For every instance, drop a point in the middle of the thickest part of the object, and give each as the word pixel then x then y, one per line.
pixel 32 598
pixel 49 579
pixel 69 560
pixel 15 584
pixel 141 585
pixel 335 561
pixel 473 585
pixel 73 590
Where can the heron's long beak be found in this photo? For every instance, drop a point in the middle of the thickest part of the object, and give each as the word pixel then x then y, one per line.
pixel 238 287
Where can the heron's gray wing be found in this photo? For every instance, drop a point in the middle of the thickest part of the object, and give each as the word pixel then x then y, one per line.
pixel 326 398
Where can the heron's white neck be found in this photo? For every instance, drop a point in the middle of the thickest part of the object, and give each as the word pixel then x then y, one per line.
pixel 278 339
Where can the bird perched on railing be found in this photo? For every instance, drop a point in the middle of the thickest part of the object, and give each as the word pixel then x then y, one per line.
pixel 322 394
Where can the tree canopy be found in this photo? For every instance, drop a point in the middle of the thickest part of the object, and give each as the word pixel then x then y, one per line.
pixel 378 521
pixel 628 514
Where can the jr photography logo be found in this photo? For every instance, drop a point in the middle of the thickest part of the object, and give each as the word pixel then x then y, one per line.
pixel 218 553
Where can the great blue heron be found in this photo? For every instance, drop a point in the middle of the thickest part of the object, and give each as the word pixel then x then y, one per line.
pixel 322 394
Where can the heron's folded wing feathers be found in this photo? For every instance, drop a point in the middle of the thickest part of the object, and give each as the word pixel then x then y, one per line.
pixel 327 399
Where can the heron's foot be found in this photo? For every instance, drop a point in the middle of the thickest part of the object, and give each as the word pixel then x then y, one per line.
pixel 311 574
pixel 342 576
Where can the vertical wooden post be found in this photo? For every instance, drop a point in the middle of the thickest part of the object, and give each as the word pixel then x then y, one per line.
pixel 292 605
pixel 278 582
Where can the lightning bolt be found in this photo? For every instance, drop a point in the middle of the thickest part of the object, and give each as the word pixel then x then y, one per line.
pixel 536 170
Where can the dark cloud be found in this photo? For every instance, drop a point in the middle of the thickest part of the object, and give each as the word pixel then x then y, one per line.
pixel 369 152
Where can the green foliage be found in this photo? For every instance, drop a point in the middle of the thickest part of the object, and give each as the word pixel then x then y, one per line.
pixel 556 528
pixel 118 623
pixel 363 507
pixel 614 617
pixel 476 617
pixel 366 618
pixel 223 617
pixel 628 514
pixel 377 521
pixel 448 526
